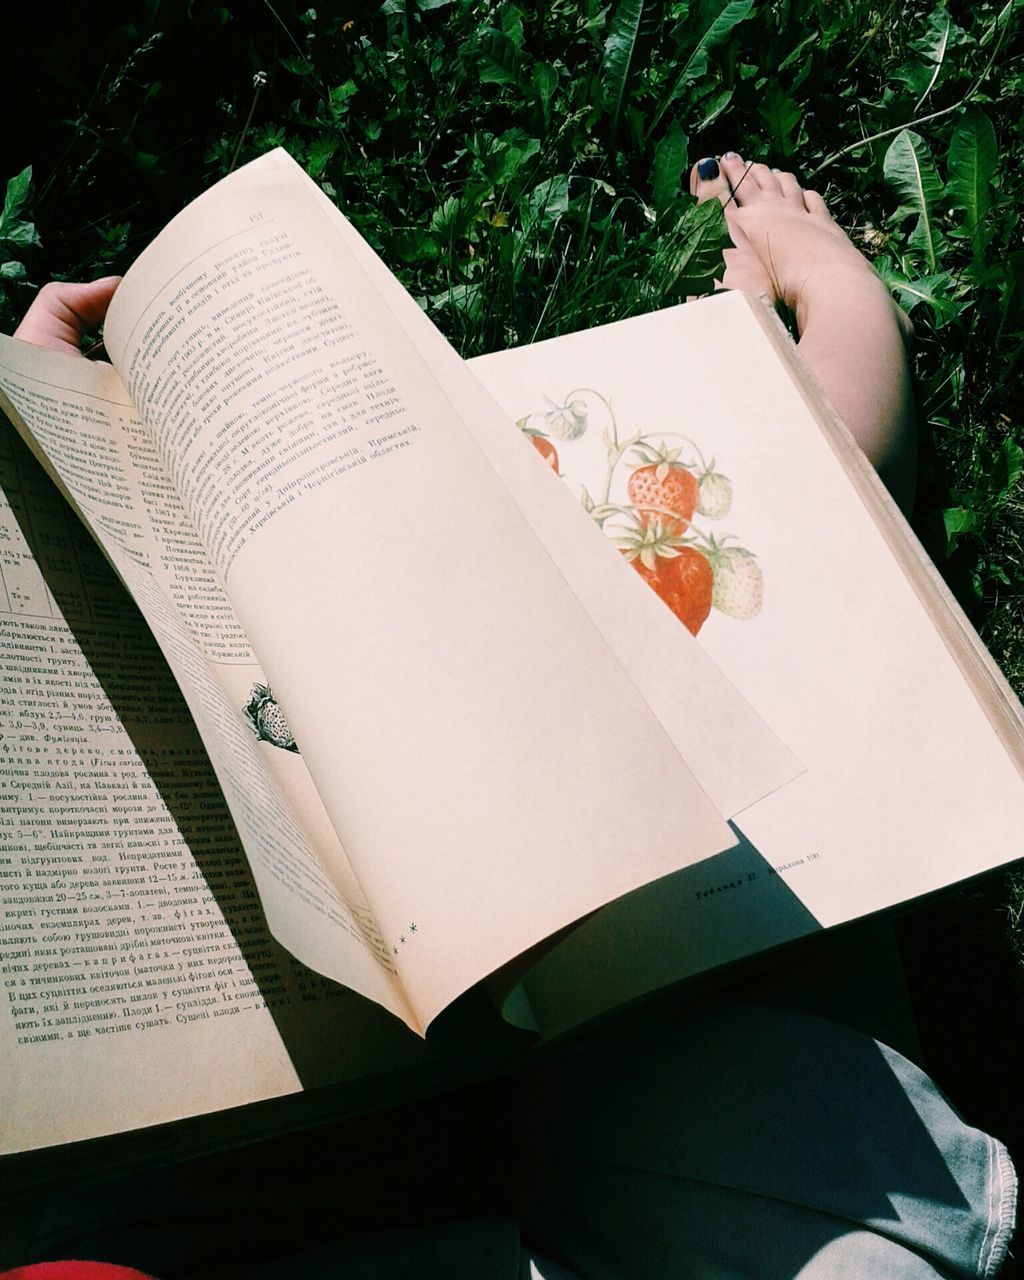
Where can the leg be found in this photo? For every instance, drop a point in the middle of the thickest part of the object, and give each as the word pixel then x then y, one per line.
pixel 729 1141
pixel 850 332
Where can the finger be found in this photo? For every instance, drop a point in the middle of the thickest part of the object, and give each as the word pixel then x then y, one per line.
pixel 63 313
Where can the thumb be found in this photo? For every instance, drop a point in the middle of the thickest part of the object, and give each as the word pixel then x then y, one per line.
pixel 63 313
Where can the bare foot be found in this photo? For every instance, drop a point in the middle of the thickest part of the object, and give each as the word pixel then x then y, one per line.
pixel 787 244
pixel 851 334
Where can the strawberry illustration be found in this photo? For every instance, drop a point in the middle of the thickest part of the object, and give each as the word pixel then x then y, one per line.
pixel 676 570
pixel 546 450
pixel 715 493
pixel 662 488
pixel 267 719
pixel 567 421
pixel 539 441
pixel 738 580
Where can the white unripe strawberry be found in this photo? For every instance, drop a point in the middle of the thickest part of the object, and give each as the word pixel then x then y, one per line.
pixel 739 583
pixel 568 422
pixel 714 495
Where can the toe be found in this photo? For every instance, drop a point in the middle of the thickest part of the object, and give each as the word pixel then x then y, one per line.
pixel 707 181
pixel 790 188
pixel 815 206
pixel 734 171
pixel 744 270
pixel 763 179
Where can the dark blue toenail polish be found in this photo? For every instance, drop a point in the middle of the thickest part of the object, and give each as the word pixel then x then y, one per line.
pixel 707 169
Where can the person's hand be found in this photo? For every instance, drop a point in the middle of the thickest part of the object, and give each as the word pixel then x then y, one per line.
pixel 62 314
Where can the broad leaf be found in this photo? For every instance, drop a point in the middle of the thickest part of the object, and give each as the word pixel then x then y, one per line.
pixel 621 53
pixel 14 229
pixel 1008 468
pixel 715 22
pixel 501 158
pixel 781 116
pixel 936 291
pixel 911 173
pixel 445 220
pixel 547 201
pixel 958 521
pixel 934 46
pixel 713 108
pixel 973 158
pixel 669 163
pixel 492 72
pixel 688 260
pixel 545 81
pixel 464 299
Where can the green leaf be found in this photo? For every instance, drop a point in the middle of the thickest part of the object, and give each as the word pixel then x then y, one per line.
pixel 492 72
pixel 669 164
pixel 973 159
pixel 716 20
pixel 937 291
pixel 621 52
pixel 338 100
pixel 548 200
pixel 957 521
pixel 432 4
pixel 781 116
pixel 713 108
pixel 15 229
pixel 17 193
pixel 415 246
pixel 446 220
pixel 934 46
pixel 508 155
pixel 13 271
pixel 796 54
pixel 464 299
pixel 1008 468
pixel 545 81
pixel 686 262
pixel 911 173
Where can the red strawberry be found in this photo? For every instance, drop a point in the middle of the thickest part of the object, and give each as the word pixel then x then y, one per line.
pixel 679 573
pixel 546 450
pixel 663 488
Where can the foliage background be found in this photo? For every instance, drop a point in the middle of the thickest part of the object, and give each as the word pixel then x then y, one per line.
pixel 518 164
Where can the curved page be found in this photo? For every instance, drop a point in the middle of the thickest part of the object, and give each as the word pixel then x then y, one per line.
pixel 77 414
pixel 487 760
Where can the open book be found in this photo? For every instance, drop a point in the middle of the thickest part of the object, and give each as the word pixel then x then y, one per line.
pixel 447 717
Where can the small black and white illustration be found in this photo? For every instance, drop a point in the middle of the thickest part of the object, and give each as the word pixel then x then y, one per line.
pixel 267 719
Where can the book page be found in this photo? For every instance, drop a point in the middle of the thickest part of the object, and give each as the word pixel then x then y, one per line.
pixel 138 981
pixel 910 784
pixel 733 754
pixel 79 416
pixel 488 761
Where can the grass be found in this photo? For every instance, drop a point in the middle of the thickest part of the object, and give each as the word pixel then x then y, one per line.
pixel 519 166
